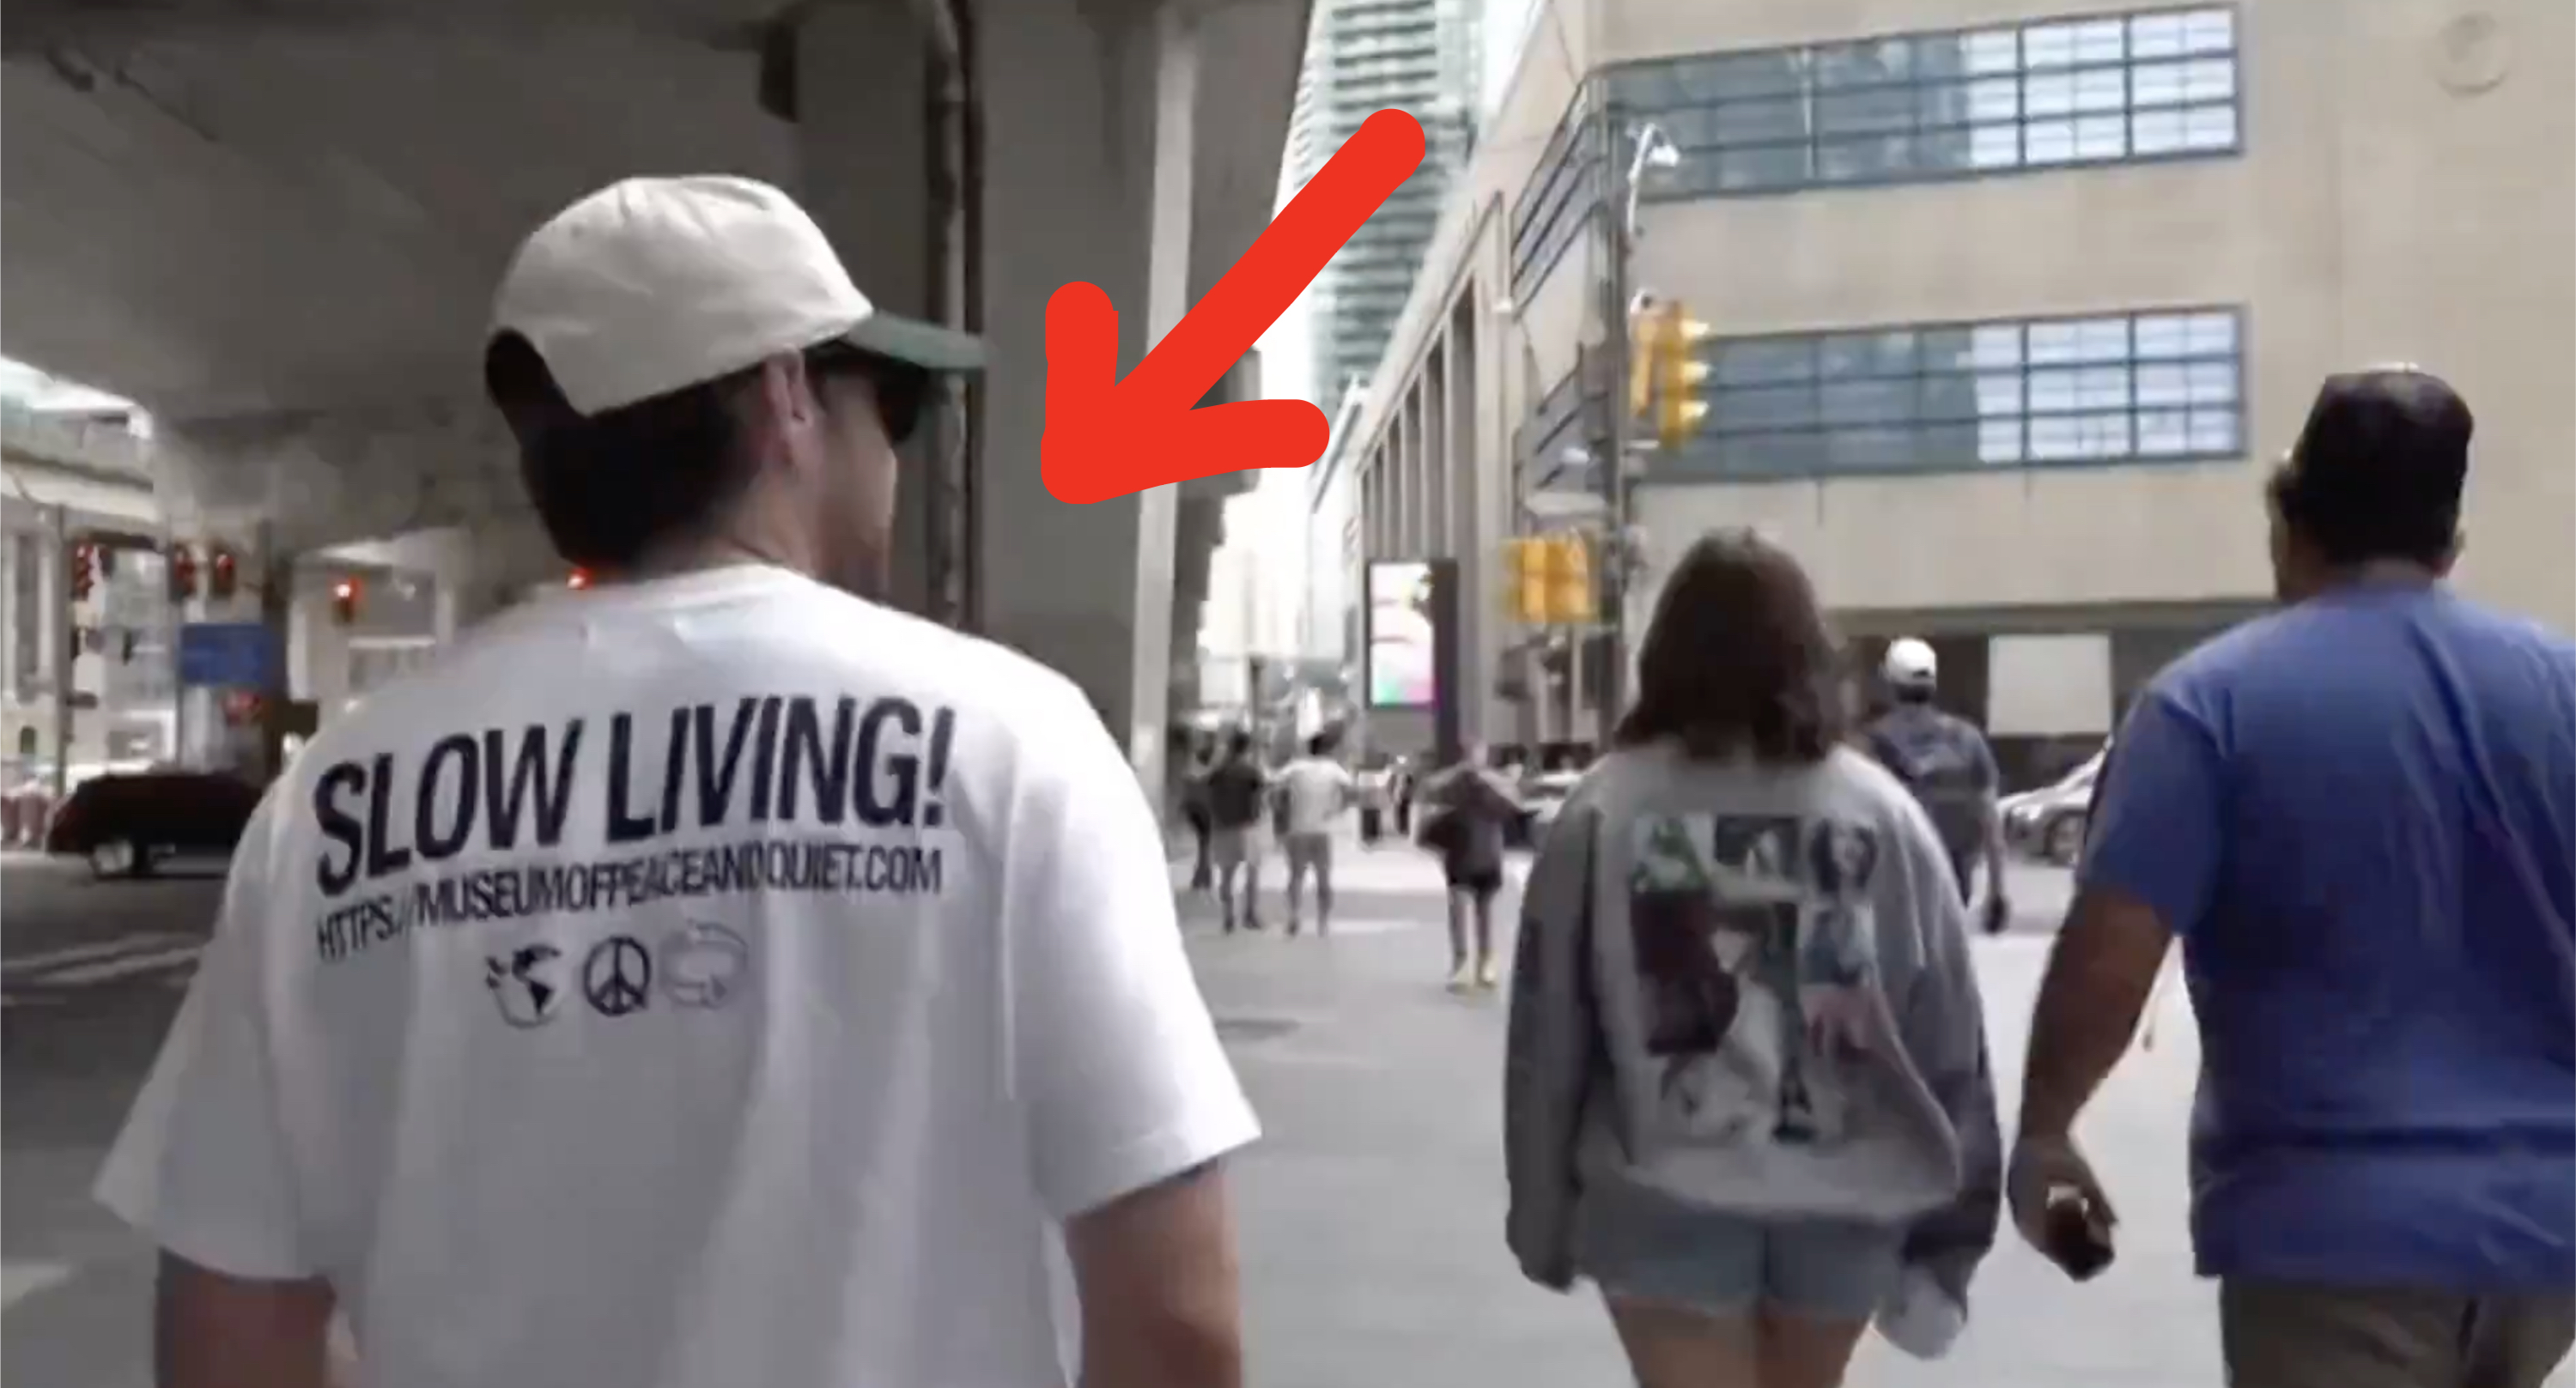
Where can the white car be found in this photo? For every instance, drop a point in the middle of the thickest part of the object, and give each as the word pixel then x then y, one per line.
pixel 2050 822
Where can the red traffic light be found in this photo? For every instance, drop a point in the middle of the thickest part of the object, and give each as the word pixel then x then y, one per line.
pixel 183 573
pixel 224 574
pixel 344 600
pixel 84 574
pixel 579 579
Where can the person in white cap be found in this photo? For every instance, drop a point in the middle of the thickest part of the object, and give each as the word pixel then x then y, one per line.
pixel 709 977
pixel 1945 760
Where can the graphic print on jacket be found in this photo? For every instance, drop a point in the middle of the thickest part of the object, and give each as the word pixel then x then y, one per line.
pixel 1754 959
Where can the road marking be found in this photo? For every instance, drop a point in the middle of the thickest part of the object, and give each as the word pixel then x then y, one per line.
pixel 109 970
pixel 18 1281
pixel 18 966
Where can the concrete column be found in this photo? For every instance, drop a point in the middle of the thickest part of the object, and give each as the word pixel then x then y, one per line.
pixel 317 649
pixel 10 542
pixel 51 669
pixel 1417 476
pixel 863 167
pixel 1087 177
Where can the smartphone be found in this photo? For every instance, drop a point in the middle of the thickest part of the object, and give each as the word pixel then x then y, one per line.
pixel 2078 1240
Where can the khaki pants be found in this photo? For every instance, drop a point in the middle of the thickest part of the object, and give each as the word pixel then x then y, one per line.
pixel 2280 1335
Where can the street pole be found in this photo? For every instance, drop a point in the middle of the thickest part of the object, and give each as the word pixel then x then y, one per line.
pixel 65 653
pixel 1610 421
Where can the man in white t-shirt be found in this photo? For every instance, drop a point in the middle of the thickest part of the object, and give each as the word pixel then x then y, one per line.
pixel 711 978
pixel 1317 790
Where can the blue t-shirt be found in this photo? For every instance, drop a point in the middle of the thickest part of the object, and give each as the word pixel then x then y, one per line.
pixel 2358 815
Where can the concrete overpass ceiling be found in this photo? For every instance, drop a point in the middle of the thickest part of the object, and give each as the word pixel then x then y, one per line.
pixel 220 218
pixel 1250 55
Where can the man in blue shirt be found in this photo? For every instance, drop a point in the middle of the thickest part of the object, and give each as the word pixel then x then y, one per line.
pixel 2357 815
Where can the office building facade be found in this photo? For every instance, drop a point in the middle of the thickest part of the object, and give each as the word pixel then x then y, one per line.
pixel 1362 57
pixel 2013 305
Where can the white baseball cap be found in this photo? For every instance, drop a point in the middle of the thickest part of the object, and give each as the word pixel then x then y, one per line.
pixel 1909 661
pixel 651 285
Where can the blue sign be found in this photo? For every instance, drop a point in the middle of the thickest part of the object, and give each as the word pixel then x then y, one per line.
pixel 227 655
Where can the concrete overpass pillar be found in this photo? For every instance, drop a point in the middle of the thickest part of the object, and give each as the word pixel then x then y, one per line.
pixel 1086 175
pixel 863 85
pixel 1089 165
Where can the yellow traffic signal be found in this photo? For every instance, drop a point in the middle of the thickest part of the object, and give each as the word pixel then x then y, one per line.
pixel 1525 589
pixel 1645 352
pixel 1569 580
pixel 1678 375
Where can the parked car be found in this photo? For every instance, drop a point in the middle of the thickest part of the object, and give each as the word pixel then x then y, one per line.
pixel 128 823
pixel 2050 822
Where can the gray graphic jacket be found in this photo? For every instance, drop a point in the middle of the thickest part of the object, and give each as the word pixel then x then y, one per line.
pixel 1749 988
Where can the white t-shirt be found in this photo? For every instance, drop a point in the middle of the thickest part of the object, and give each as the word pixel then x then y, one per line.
pixel 1317 789
pixel 720 980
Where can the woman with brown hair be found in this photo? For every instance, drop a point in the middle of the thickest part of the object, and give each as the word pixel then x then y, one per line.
pixel 1747 1092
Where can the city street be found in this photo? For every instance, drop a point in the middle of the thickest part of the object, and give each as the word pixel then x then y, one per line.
pixel 1372 1212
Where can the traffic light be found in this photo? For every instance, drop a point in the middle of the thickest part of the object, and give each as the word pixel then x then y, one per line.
pixel 1525 589
pixel 183 573
pixel 1678 374
pixel 223 575
pixel 84 575
pixel 577 580
pixel 344 601
pixel 1570 595
pixel 1645 332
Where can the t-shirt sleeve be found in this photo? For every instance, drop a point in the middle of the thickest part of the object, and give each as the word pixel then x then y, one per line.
pixel 1990 777
pixel 2159 823
pixel 202 1167
pixel 1114 1056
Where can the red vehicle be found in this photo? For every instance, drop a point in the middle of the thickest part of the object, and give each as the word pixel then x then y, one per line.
pixel 128 824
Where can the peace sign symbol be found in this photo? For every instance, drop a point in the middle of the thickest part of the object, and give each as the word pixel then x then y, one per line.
pixel 617 978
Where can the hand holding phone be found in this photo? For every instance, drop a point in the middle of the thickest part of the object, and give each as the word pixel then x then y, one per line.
pixel 2059 1206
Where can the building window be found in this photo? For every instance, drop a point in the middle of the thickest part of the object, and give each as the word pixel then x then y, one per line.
pixel 1552 435
pixel 2107 89
pixel 1557 203
pixel 2160 385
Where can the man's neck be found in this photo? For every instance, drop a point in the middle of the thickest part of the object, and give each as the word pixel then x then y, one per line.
pixel 2382 574
pixel 698 556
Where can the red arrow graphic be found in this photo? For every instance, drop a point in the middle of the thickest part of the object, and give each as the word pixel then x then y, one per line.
pixel 1106 438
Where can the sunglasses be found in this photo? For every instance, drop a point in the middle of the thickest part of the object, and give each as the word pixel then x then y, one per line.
pixel 902 391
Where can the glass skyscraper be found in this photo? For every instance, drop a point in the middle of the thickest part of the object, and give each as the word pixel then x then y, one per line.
pixel 1363 56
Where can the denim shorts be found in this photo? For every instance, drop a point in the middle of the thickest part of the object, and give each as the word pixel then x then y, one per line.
pixel 1636 1242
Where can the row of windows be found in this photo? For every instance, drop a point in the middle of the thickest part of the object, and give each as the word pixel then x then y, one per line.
pixel 2143 86
pixel 2130 387
pixel 2151 85
pixel 1555 205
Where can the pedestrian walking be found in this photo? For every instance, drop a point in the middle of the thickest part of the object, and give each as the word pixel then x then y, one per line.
pixel 1746 1092
pixel 1948 764
pixel 712 977
pixel 1466 812
pixel 1315 793
pixel 1238 793
pixel 1194 808
pixel 2358 815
